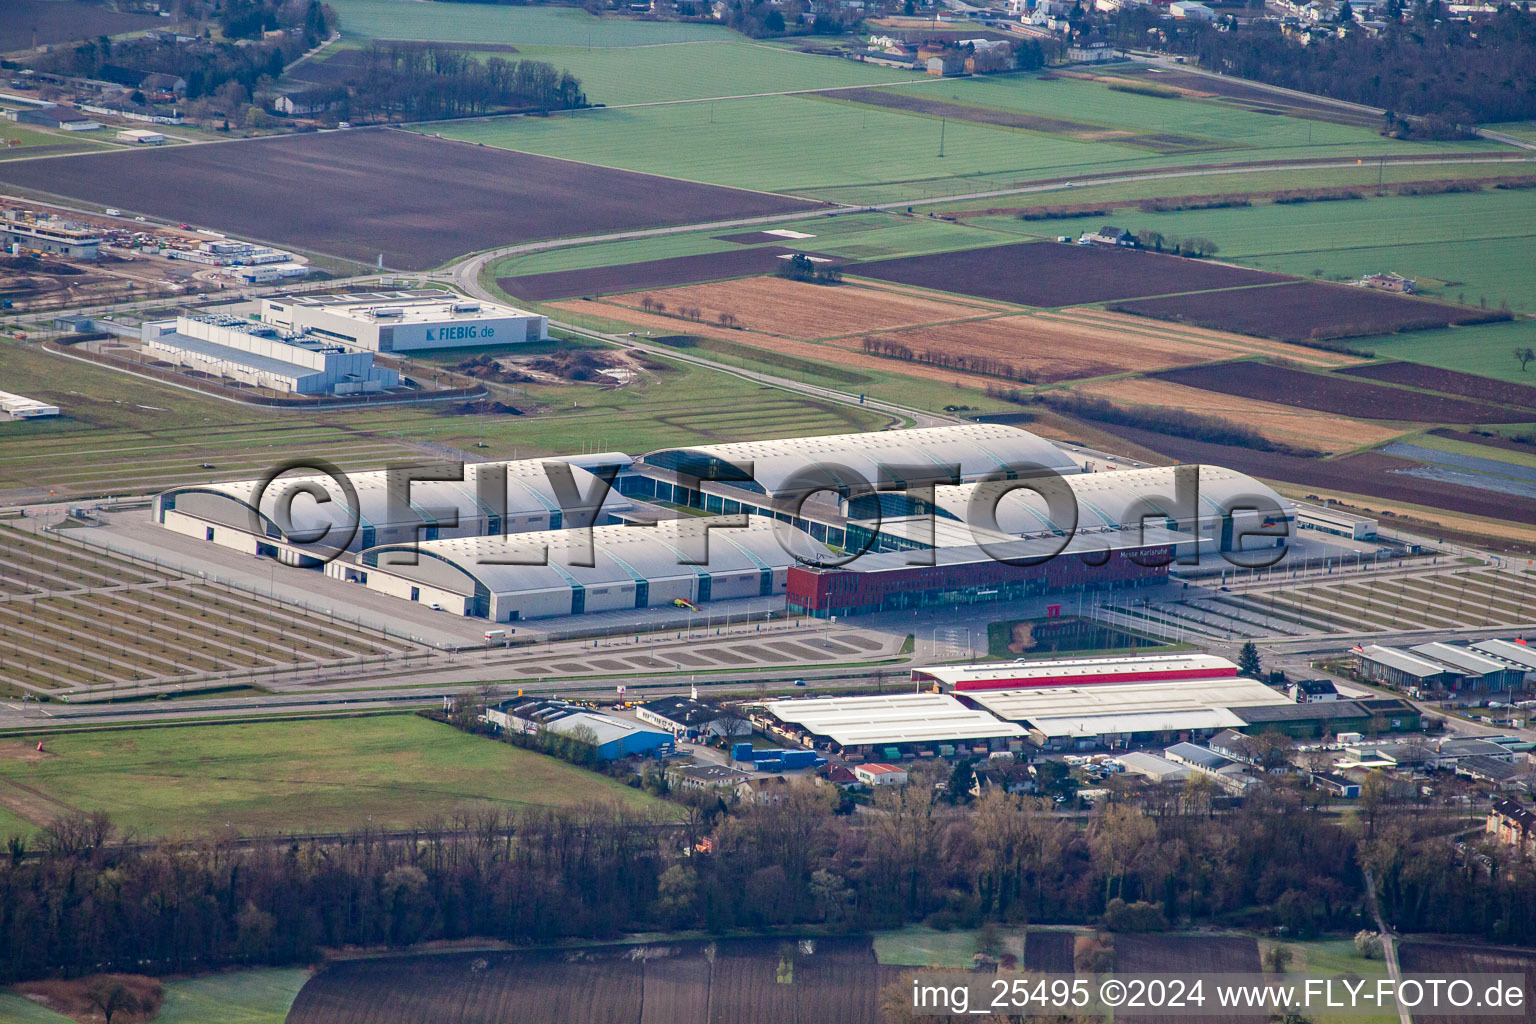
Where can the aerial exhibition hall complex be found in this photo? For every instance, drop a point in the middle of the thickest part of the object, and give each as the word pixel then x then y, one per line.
pixel 1005 514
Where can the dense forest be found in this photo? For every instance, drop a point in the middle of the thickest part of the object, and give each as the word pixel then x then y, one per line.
pixel 80 900
pixel 424 82
pixel 1458 71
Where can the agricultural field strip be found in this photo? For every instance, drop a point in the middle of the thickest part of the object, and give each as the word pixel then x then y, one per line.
pixel 1226 344
pixel 300 445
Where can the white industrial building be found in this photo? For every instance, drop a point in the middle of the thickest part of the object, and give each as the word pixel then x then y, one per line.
pixel 492 499
pixel 229 252
pixel 19 407
pixel 23 230
pixel 772 546
pixel 1028 673
pixel 1065 717
pixel 406 321
pixel 974 472
pixel 141 137
pixel 1126 507
pixel 890 725
pixel 579 571
pixel 266 273
pixel 262 356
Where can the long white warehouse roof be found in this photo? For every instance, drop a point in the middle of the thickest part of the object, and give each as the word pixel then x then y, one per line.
pixel 1116 499
pixel 1042 673
pixel 529 491
pixel 621 554
pixel 892 718
pixel 1129 707
pixel 1403 661
pixel 1517 654
pixel 977 449
pixel 1461 659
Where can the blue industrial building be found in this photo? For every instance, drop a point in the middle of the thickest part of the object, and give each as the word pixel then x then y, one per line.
pixel 614 737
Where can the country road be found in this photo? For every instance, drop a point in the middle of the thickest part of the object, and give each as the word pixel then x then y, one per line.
pixel 465 274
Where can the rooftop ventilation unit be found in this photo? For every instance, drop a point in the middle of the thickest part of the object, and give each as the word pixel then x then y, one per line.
pixel 466 307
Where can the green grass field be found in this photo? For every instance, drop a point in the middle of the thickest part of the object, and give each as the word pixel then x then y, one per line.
pixel 919 946
pixel 1486 349
pixel 850 235
pixel 260 996
pixel 1363 175
pixel 1465 247
pixel 826 147
pixel 31 141
pixel 120 434
pixel 387 771
pixel 687 71
pixel 15 1009
pixel 498 24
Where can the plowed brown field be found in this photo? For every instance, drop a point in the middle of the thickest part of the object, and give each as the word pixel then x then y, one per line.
pixel 1300 428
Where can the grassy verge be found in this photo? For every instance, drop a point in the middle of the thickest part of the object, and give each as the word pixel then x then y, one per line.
pixel 317 775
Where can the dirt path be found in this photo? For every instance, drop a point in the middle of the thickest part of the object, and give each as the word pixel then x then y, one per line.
pixel 32 804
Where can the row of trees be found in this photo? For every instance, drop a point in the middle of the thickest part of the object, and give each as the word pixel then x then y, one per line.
pixel 990 366
pixel 423 83
pixel 82 901
pixel 1158 242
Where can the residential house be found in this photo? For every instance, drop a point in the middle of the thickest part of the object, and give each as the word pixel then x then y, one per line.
pixel 873 775
pixel 1314 691
pixel 1051 14
pixel 1096 51
pixel 302 104
pixel 762 789
pixel 1004 778
pixel 717 777
pixel 1390 282
pixel 1108 234
pixel 840 775
pixel 1512 824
